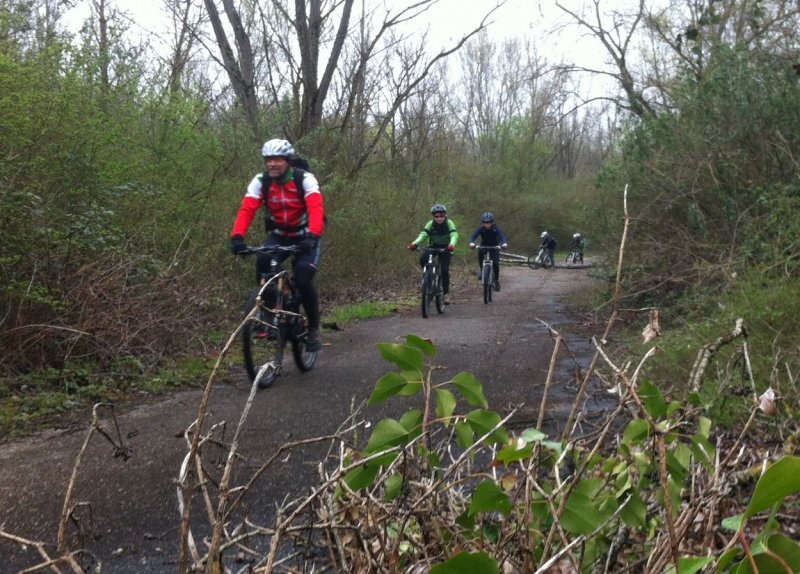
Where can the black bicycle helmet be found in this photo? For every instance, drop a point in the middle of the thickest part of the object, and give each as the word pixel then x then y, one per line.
pixel 487 217
pixel 438 208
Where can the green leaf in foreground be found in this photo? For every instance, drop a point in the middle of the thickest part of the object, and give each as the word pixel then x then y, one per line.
pixel 489 497
pixel 582 515
pixel 470 389
pixel 405 357
pixel 387 386
pixel 691 564
pixel 387 434
pixel 465 562
pixel 779 481
pixel 484 421
pixel 424 345
pixel 445 405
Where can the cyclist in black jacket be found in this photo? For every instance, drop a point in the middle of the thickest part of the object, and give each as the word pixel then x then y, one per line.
pixel 548 243
pixel 491 235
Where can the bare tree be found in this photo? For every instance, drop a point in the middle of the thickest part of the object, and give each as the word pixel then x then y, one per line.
pixel 293 67
pixel 241 71
pixel 616 37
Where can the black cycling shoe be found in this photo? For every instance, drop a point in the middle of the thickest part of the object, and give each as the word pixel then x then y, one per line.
pixel 313 341
pixel 497 285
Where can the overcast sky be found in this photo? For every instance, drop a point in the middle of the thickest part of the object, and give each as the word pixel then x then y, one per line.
pixel 554 35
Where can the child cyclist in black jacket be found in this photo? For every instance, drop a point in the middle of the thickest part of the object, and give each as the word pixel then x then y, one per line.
pixel 491 236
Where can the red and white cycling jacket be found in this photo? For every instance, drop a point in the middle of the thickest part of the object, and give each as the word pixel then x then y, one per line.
pixel 292 214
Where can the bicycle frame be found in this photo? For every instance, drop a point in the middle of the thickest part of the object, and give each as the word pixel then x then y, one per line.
pixel 432 281
pixel 273 319
pixel 487 271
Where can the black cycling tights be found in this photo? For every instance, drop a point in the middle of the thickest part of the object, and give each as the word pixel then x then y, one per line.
pixel 304 279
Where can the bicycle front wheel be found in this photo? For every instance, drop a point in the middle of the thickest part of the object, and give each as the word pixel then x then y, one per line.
pixel 533 262
pixel 440 306
pixel 262 342
pixel 486 279
pixel 427 292
pixel 303 358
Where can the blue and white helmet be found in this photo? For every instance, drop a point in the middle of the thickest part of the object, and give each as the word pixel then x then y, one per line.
pixel 277 148
pixel 487 217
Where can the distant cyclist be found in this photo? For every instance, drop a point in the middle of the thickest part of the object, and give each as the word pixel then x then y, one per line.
pixel 548 243
pixel 293 201
pixel 439 232
pixel 491 236
pixel 577 243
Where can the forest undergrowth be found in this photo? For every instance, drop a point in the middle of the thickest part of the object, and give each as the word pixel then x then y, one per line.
pixel 451 488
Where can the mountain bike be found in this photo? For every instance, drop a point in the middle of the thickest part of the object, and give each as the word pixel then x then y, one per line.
pixel 487 271
pixel 541 259
pixel 277 320
pixel 432 290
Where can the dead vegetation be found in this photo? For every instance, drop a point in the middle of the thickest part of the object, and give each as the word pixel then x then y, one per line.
pixel 445 485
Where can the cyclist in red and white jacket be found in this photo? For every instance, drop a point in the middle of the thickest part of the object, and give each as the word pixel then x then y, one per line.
pixel 295 216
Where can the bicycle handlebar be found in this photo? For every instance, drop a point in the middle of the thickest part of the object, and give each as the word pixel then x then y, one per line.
pixel 435 250
pixel 271 249
pixel 487 247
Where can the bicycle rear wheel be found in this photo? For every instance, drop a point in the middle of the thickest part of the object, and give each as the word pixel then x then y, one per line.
pixel 262 342
pixel 427 292
pixel 486 279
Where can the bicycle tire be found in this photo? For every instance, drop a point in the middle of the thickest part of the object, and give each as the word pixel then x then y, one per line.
pixel 533 262
pixel 262 355
pixel 303 358
pixel 426 289
pixel 439 298
pixel 548 263
pixel 486 279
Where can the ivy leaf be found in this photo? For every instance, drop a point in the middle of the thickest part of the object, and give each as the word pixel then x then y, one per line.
pixel 474 563
pixel 470 389
pixel 405 357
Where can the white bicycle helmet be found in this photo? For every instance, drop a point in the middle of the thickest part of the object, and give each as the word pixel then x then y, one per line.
pixel 277 148
pixel 438 208
pixel 576 235
pixel 544 234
